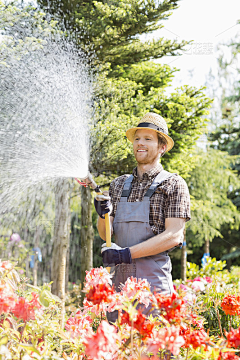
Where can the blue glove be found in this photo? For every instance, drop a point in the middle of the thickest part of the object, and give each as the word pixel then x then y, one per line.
pixel 115 255
pixel 102 205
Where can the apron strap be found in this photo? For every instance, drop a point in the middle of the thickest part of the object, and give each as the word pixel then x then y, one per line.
pixel 127 187
pixel 162 176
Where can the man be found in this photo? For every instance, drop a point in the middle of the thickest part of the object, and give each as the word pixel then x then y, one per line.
pixel 148 211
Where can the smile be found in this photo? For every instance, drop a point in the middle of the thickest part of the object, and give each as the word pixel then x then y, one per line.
pixel 141 150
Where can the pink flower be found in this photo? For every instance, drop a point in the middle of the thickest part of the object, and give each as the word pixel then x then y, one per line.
pixel 198 278
pixel 15 238
pixel 79 325
pixel 198 286
pixel 208 279
pixel 116 303
pixel 183 287
pixel 5 265
pixel 140 289
pixel 166 338
pixel 97 276
pixel 190 298
pixel 104 341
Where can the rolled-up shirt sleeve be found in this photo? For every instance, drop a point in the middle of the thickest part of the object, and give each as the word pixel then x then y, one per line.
pixel 178 200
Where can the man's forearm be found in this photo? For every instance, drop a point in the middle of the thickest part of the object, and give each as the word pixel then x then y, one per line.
pixel 166 240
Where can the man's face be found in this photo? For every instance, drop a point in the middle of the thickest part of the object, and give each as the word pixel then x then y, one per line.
pixel 145 146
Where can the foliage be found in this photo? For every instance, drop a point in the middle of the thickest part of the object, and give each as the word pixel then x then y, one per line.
pixel 212 267
pixel 224 135
pixel 211 183
pixel 222 282
pixel 122 104
pixel 30 324
pixel 111 30
pixel 14 41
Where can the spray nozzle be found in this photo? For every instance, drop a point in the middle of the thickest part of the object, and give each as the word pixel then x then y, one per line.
pixel 88 181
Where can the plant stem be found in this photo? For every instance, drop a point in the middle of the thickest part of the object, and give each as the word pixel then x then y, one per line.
pixel 230 323
pixel 219 322
pixel 187 354
pixel 22 332
pixel 132 337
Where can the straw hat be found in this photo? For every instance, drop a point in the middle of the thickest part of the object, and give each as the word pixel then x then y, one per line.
pixel 155 122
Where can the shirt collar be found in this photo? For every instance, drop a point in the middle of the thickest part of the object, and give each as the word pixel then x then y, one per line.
pixel 150 174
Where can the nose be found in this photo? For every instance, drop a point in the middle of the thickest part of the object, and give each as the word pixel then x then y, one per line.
pixel 141 141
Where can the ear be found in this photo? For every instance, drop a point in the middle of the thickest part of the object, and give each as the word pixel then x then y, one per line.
pixel 162 149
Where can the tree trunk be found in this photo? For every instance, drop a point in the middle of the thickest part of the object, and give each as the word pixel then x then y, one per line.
pixel 184 258
pixel 207 247
pixel 60 239
pixel 36 244
pixel 86 232
pixel 35 269
pixel 67 270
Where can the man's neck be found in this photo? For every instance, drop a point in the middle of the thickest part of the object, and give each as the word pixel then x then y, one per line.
pixel 142 168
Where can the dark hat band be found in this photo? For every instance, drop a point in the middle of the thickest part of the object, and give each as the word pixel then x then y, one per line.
pixel 152 126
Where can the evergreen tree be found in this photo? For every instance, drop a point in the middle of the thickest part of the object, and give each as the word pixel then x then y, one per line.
pixel 111 30
pixel 128 84
pixel 210 184
pixel 225 136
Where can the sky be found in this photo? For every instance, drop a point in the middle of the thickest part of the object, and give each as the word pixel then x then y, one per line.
pixel 208 23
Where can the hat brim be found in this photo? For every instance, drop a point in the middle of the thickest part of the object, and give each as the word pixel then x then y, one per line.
pixel 131 132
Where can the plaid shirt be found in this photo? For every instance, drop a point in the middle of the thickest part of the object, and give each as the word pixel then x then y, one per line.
pixel 170 200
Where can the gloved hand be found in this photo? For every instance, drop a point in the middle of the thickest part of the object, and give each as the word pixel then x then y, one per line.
pixel 103 204
pixel 112 247
pixel 115 255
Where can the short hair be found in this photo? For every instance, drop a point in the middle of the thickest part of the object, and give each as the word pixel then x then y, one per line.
pixel 162 141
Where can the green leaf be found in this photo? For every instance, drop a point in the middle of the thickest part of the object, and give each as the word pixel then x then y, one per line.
pixel 30 348
pixel 3 340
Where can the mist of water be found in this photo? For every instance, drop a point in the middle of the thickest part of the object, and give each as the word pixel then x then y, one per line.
pixel 45 111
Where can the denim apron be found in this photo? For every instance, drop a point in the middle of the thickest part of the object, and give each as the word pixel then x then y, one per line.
pixel 131 227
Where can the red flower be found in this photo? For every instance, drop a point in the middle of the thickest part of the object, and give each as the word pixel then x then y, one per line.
pixel 231 305
pixel 100 293
pixel 172 307
pixel 195 321
pixel 26 309
pixel 23 310
pixel 7 299
pixel 228 355
pixel 104 341
pixel 196 338
pixel 5 265
pixel 233 338
pixel 140 323
pixel 165 338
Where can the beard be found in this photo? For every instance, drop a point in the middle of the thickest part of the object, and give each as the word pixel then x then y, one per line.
pixel 148 159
